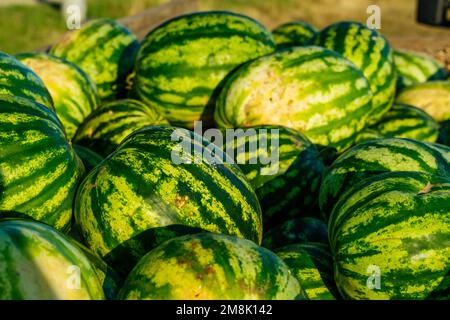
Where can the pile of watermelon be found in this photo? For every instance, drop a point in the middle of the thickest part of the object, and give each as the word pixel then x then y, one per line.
pixel 93 205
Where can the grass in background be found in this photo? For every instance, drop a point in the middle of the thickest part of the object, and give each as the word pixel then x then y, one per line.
pixel 24 28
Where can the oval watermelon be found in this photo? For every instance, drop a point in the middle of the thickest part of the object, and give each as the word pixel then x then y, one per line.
pixel 294 231
pixel 415 67
pixel 312 265
pixel 310 89
pixel 370 52
pixel 39 263
pixel 19 80
pixel 73 93
pixel 210 266
pixel 433 97
pixel 105 50
pixel 403 121
pixel 106 127
pixel 389 237
pixel 284 168
pixel 375 157
pixel 141 195
pixel 291 34
pixel 181 62
pixel 39 171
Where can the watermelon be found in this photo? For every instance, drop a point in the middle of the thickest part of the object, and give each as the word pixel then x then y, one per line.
pixel 403 121
pixel 73 93
pixel 375 157
pixel 107 126
pixel 209 266
pixel 39 171
pixel 39 263
pixel 105 50
pixel 283 167
pixel 291 34
pixel 390 238
pixel 309 89
pixel 312 265
pixel 370 52
pixel 16 79
pixel 433 97
pixel 90 158
pixel 294 231
pixel 415 67
pixel 145 193
pixel 444 133
pixel 183 61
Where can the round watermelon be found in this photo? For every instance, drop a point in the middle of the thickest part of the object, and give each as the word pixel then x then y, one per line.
pixel 311 264
pixel 39 263
pixel 309 89
pixel 183 61
pixel 403 121
pixel 107 126
pixel 90 158
pixel 299 230
pixel 19 80
pixel 415 67
pixel 390 238
pixel 152 188
pixel 210 266
pixel 105 50
pixel 283 167
pixel 291 34
pixel 433 97
pixel 39 171
pixel 73 93
pixel 370 52
pixel 375 157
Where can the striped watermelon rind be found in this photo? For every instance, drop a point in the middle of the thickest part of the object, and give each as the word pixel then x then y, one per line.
pixel 105 50
pixel 299 230
pixel 183 61
pixel 286 89
pixel 105 128
pixel 370 52
pixel 295 33
pixel 39 171
pixel 415 67
pixel 394 226
pixel 39 263
pixel 285 170
pixel 312 265
pixel 376 157
pixel 138 197
pixel 433 97
pixel 19 80
pixel 403 121
pixel 73 93
pixel 210 266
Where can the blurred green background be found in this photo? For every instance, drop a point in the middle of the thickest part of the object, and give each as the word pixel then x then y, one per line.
pixel 25 27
